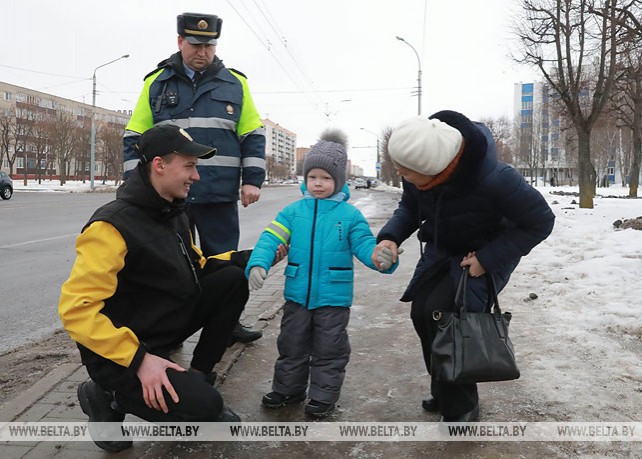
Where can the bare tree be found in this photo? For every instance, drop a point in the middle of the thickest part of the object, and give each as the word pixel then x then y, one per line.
pixel 110 139
pixel 625 154
pixel 6 132
pixel 627 105
pixel 576 51
pixel 388 171
pixel 82 148
pixel 276 170
pixel 42 142
pixel 22 133
pixel 605 139
pixel 529 146
pixel 64 142
pixel 501 128
pixel 270 167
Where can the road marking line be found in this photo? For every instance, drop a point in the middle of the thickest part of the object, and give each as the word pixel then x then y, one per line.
pixel 37 240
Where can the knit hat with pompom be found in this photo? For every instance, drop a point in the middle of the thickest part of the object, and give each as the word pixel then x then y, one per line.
pixel 329 154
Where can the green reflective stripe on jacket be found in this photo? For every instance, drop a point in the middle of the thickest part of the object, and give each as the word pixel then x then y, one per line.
pixel 279 231
pixel 142 117
pixel 250 118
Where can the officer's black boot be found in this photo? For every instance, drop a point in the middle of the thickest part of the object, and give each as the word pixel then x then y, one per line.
pixel 243 334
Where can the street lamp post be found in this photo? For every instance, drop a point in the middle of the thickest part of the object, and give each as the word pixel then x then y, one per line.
pixel 378 165
pixel 92 157
pixel 418 75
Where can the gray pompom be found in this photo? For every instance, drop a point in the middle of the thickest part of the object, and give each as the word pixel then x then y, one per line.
pixel 335 135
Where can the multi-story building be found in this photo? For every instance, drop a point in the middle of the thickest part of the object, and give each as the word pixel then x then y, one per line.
pixel 540 152
pixel 300 157
pixel 354 170
pixel 280 147
pixel 46 136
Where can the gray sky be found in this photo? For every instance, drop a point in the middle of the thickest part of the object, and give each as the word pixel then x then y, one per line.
pixel 309 64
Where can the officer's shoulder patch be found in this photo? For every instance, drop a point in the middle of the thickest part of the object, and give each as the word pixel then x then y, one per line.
pixel 237 72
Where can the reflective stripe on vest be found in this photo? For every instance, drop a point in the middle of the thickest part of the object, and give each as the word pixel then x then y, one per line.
pixel 201 122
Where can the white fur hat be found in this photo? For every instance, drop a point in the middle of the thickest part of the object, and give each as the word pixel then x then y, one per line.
pixel 424 145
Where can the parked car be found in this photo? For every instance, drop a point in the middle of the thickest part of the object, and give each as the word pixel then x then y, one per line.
pixel 6 186
pixel 360 183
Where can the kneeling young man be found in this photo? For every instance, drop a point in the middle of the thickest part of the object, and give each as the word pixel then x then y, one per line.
pixel 139 287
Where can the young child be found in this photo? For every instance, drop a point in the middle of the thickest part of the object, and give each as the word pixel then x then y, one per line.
pixel 323 231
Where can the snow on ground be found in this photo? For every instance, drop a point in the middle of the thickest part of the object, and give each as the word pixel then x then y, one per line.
pixel 581 339
pixel 69 187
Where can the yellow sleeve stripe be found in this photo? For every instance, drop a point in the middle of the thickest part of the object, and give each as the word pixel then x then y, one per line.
pixel 280 231
pixel 100 256
pixel 226 256
pixel 202 260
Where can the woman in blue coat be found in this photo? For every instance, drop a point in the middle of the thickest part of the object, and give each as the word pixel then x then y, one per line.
pixel 470 210
pixel 324 233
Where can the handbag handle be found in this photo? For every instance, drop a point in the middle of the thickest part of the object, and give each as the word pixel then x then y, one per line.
pixel 492 303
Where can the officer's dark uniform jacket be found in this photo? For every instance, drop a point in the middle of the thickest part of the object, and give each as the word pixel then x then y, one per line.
pixel 485 207
pixel 217 110
pixel 135 277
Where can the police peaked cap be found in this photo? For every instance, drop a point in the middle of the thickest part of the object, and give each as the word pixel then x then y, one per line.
pixel 198 28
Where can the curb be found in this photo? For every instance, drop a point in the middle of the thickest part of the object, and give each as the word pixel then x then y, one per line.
pixel 25 400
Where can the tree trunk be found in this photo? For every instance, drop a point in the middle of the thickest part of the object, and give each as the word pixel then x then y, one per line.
pixel 634 176
pixel 586 174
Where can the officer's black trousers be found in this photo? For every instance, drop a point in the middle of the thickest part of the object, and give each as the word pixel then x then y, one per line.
pixel 217 224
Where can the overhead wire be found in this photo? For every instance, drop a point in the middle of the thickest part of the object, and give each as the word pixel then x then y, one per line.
pixel 272 23
pixel 300 80
pixel 262 41
pixel 42 73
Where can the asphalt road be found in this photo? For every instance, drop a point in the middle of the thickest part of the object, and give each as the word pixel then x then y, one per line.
pixel 37 236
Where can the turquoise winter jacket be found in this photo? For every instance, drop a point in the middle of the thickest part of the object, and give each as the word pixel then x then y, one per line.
pixel 323 235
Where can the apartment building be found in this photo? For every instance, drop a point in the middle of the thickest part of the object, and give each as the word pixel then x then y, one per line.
pixel 280 146
pixel 46 136
pixel 540 148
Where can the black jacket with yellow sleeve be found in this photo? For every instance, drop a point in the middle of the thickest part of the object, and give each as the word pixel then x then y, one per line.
pixel 135 276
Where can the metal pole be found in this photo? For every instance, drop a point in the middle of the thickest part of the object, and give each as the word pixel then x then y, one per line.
pixel 93 134
pixel 418 74
pixel 92 157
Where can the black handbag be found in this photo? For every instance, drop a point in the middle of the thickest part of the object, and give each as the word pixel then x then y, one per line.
pixel 472 347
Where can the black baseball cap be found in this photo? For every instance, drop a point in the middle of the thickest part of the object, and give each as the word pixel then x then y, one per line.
pixel 199 28
pixel 169 138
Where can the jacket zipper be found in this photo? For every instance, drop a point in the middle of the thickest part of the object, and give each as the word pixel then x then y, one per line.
pixel 189 261
pixel 314 225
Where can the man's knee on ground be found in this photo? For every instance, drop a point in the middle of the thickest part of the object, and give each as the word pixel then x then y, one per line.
pixel 198 401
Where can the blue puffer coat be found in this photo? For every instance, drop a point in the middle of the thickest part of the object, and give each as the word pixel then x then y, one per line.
pixel 323 235
pixel 485 207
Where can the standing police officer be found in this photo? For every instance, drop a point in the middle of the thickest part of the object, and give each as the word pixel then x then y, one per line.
pixel 195 91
